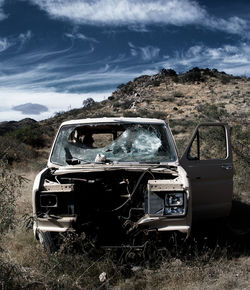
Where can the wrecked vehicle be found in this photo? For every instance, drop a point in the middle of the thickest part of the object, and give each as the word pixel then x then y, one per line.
pixel 118 179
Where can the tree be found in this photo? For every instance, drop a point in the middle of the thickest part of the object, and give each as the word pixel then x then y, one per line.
pixel 88 102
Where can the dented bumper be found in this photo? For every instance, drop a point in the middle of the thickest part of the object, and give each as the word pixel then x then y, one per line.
pixel 51 224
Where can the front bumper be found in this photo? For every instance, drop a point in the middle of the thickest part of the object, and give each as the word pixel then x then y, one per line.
pixel 63 224
pixel 51 224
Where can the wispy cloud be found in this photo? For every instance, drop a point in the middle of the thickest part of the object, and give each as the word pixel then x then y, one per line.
pixel 229 58
pixel 23 37
pixel 19 40
pixel 2 14
pixel 141 12
pixel 55 79
pixel 147 53
pixel 4 44
pixel 68 72
pixel 233 25
pixel 138 28
pixel 81 37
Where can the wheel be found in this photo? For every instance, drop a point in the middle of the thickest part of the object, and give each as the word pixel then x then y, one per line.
pixel 47 241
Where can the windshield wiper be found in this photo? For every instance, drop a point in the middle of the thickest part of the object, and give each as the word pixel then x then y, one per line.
pixel 159 164
pixel 76 161
pixel 73 161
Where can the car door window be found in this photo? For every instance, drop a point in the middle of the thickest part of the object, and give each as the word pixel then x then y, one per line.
pixel 209 143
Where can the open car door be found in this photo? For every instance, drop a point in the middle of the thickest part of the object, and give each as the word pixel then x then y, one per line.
pixel 208 162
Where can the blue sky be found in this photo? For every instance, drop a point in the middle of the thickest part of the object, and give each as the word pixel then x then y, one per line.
pixel 56 53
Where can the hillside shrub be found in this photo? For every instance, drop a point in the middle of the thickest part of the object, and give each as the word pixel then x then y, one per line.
pixel 131 114
pixel 178 94
pixel 176 79
pixel 10 184
pixel 158 115
pixel 168 72
pixel 128 89
pixel 88 103
pixel 208 72
pixel 120 86
pixel 152 114
pixel 225 79
pixel 31 135
pixel 240 146
pixel 126 104
pixel 212 112
pixel 193 75
pixel 166 99
pixel 15 151
pixel 156 83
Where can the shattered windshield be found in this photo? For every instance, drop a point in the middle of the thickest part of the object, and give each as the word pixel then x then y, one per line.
pixel 79 144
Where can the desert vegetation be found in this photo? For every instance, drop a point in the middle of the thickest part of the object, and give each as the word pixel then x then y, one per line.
pixel 216 255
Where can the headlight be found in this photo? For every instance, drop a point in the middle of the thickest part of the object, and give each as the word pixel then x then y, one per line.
pixel 48 200
pixel 174 199
pixel 175 203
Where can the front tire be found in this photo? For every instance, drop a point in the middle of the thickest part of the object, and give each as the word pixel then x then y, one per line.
pixel 47 241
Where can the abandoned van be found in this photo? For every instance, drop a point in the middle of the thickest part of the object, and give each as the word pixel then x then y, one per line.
pixel 115 179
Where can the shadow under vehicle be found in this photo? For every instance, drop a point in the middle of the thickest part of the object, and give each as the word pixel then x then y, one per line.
pixel 119 180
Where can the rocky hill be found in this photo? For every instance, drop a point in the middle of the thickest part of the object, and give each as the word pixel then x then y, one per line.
pixel 182 99
pixel 195 95
pixel 7 127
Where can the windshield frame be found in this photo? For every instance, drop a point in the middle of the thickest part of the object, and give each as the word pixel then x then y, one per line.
pixel 165 126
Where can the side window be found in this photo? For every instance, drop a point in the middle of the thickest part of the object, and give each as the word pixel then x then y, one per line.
pixel 209 143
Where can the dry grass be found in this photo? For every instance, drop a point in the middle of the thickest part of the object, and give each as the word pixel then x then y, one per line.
pixel 209 268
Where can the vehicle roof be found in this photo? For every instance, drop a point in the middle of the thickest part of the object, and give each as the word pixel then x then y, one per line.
pixel 114 120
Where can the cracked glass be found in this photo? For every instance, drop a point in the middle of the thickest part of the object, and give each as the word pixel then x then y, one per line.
pixel 79 144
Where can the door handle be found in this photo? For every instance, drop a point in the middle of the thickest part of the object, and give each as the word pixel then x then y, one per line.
pixel 227 167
